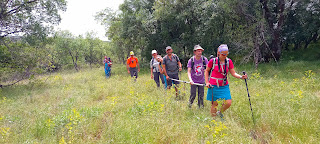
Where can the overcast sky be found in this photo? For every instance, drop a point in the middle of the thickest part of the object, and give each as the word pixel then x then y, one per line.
pixel 79 17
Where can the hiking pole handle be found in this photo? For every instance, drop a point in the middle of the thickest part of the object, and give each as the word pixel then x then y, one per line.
pixel 244 73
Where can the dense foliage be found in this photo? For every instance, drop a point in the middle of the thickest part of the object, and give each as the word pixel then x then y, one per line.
pixel 254 30
pixel 29 46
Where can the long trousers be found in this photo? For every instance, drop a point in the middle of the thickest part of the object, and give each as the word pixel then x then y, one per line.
pixel 133 72
pixel 193 92
pixel 107 71
pixel 156 76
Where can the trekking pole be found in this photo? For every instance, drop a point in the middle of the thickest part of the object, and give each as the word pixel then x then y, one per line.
pixel 187 82
pixel 249 96
pixel 212 94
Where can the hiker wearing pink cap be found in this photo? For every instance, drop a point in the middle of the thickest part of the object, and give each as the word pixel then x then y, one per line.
pixel 218 86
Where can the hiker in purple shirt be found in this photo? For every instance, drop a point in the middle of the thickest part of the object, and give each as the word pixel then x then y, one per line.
pixel 196 67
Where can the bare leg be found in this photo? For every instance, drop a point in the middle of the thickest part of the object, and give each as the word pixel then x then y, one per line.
pixel 214 109
pixel 226 105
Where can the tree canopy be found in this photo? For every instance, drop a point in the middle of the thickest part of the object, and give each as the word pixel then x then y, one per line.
pixel 29 16
pixel 255 30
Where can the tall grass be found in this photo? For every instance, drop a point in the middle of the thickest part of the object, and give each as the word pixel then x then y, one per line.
pixel 84 107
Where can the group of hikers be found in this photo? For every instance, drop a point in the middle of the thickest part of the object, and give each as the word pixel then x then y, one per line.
pixel 201 73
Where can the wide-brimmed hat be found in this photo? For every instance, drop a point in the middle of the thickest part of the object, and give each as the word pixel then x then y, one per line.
pixel 197 47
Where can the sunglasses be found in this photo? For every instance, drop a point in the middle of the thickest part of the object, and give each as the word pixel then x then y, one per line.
pixel 224 54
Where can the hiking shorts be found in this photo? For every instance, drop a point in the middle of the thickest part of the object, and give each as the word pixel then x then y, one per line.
pixel 174 76
pixel 222 93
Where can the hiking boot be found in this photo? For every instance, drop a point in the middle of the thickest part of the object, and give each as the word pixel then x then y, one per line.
pixel 220 114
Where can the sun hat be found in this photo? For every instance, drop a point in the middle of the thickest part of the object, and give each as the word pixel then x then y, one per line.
pixel 223 47
pixel 197 47
pixel 153 51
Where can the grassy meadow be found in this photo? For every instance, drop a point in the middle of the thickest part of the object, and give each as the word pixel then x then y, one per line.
pixel 84 107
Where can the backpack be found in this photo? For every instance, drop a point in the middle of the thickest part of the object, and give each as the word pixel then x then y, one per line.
pixel 152 63
pixel 174 56
pixel 226 66
pixel 133 58
pixel 203 62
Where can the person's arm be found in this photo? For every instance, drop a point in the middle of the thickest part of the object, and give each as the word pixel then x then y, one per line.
pixel 189 76
pixel 234 74
pixel 138 64
pixel 151 73
pixel 206 76
pixel 180 66
pixel 165 72
pixel 151 69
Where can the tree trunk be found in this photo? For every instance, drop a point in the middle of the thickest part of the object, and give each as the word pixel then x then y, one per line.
pixel 73 60
pixel 275 23
pixel 275 46
pixel 90 59
pixel 257 52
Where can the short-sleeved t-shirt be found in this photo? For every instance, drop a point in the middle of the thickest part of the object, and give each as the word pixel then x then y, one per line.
pixel 171 65
pixel 197 72
pixel 132 62
pixel 154 65
pixel 215 73
pixel 107 64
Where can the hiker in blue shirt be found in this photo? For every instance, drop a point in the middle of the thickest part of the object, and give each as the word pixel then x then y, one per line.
pixel 107 66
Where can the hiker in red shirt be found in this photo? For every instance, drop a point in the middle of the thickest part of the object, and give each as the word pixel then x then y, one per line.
pixel 218 86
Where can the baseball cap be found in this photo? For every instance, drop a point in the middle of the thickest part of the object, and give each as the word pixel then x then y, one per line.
pixel 168 47
pixel 223 47
pixel 131 53
pixel 196 47
pixel 153 51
